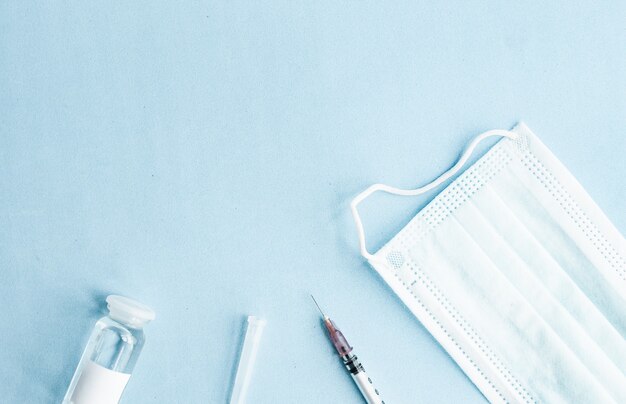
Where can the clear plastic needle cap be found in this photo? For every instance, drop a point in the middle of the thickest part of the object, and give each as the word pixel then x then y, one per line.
pixel 247 359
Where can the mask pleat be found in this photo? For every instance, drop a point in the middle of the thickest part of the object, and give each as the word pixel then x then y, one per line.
pixel 521 247
pixel 461 341
pixel 577 232
pixel 546 286
pixel 521 194
pixel 499 313
pixel 429 304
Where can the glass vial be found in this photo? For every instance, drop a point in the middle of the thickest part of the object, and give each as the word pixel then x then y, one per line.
pixel 111 353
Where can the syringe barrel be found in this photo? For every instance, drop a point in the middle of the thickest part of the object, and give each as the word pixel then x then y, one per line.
pixel 362 380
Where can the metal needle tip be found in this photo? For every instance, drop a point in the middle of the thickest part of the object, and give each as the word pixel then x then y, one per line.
pixel 318 307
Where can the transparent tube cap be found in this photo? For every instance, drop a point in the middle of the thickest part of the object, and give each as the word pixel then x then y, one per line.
pixel 128 311
pixel 247 359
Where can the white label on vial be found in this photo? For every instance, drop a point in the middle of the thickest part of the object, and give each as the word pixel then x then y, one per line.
pixel 99 385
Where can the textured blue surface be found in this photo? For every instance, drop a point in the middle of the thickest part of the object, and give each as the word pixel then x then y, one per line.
pixel 200 157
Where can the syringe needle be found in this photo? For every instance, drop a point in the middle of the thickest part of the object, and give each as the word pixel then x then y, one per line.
pixel 336 337
pixel 318 307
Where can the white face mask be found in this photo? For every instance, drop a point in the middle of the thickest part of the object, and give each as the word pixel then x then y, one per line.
pixel 518 274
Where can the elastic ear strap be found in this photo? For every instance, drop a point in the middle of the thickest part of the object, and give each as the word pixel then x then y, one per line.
pixel 418 191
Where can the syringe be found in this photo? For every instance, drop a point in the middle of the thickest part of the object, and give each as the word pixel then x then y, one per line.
pixel 350 361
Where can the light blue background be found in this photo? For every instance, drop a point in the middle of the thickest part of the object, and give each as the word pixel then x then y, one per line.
pixel 200 157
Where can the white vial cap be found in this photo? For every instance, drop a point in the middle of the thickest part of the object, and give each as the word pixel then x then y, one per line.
pixel 129 311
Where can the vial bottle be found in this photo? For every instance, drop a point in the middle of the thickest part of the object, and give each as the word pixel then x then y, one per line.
pixel 111 353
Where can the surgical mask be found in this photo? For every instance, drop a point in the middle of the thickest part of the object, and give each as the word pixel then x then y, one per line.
pixel 517 273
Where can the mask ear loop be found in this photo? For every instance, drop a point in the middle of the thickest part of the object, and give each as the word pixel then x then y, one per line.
pixel 418 191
